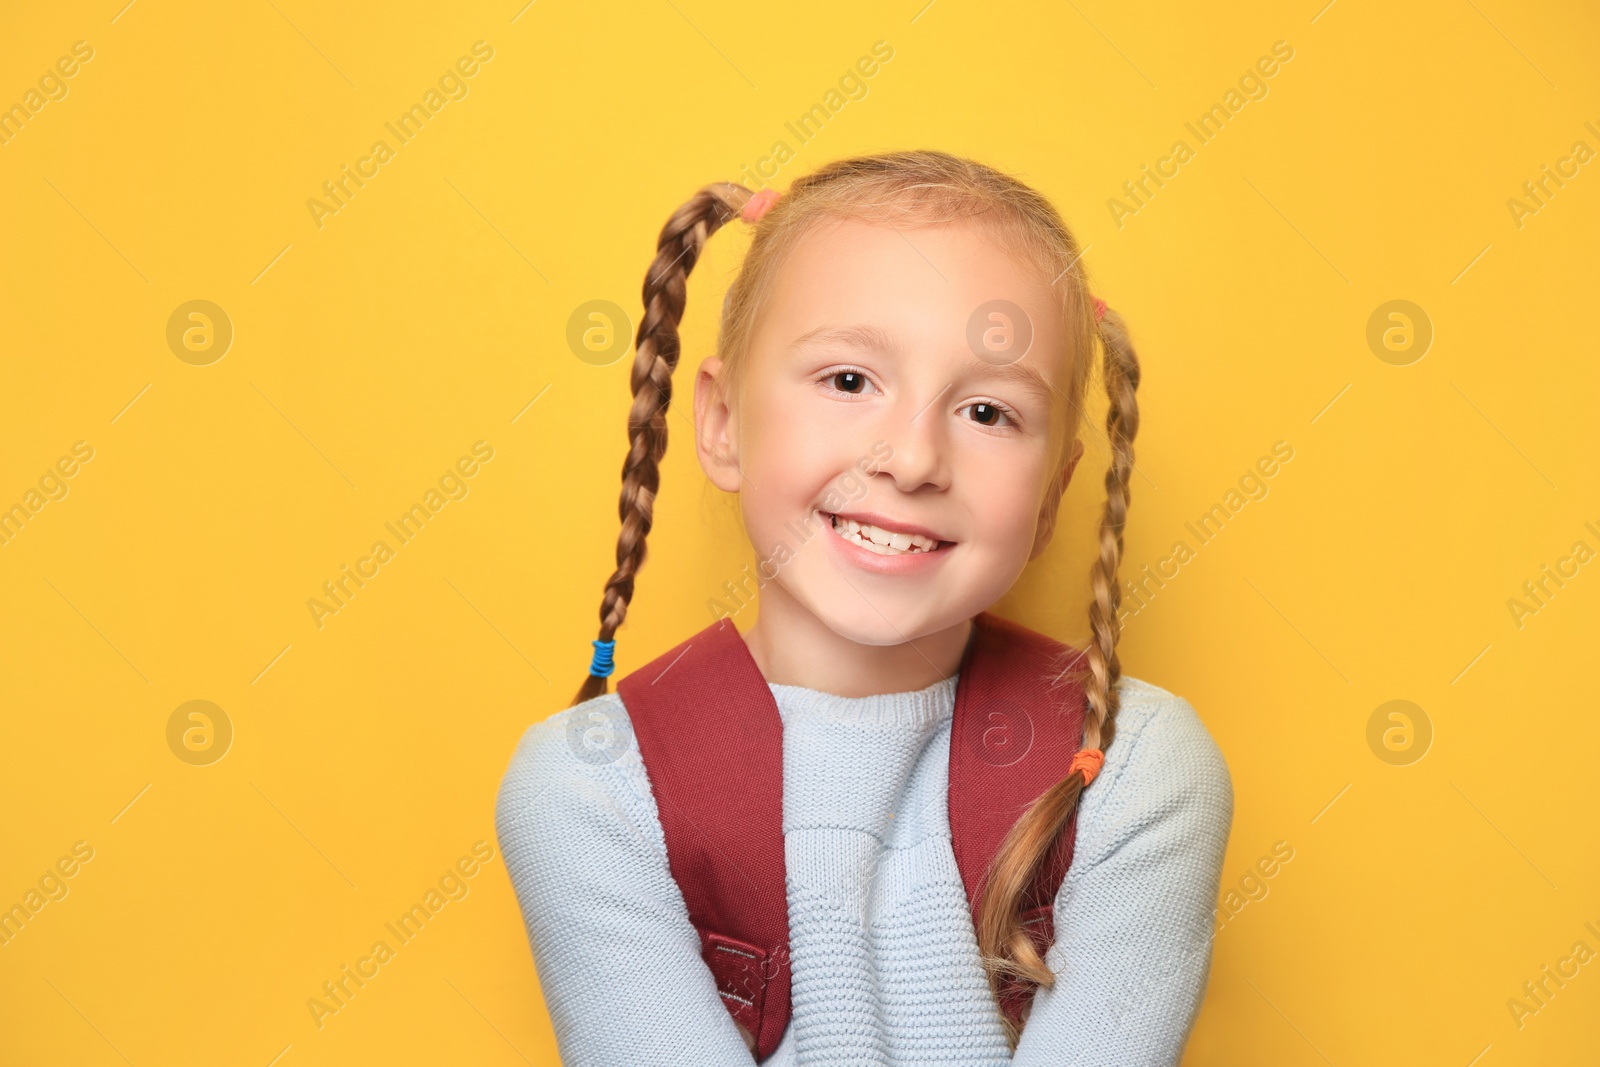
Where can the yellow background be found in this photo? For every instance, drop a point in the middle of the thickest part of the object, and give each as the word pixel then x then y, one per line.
pixel 429 312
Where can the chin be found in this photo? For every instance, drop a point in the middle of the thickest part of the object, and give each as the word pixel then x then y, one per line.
pixel 874 631
pixel 885 623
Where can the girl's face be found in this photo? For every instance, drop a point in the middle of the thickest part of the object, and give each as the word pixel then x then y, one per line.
pixel 863 396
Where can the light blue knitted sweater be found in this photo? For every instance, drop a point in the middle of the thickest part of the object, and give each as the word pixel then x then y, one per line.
pixel 885 959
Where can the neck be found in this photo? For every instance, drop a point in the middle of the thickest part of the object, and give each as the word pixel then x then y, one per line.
pixel 792 646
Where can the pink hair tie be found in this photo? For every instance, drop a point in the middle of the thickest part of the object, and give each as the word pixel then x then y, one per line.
pixel 758 205
pixel 1099 309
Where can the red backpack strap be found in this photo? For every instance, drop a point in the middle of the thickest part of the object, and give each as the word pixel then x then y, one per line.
pixel 1015 730
pixel 711 739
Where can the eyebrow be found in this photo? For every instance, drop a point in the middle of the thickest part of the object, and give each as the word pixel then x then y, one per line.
pixel 876 339
pixel 1023 375
pixel 857 335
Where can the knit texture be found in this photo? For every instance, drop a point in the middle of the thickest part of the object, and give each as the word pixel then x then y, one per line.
pixel 884 955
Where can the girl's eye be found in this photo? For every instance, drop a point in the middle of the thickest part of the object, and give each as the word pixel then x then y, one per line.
pixel 990 416
pixel 848 381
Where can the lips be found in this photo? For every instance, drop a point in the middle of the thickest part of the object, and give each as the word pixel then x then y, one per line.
pixel 885 536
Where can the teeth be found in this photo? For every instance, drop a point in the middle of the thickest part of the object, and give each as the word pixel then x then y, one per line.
pixel 877 539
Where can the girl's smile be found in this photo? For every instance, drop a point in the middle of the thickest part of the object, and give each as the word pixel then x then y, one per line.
pixel 884 546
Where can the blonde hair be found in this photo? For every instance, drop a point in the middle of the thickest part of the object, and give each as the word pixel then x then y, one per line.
pixel 915 188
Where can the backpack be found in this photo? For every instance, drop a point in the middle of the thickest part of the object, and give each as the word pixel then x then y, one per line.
pixel 711 739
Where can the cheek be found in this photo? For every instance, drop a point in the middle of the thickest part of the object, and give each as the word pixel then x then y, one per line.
pixel 793 446
pixel 1002 496
pixel 787 466
pixel 773 453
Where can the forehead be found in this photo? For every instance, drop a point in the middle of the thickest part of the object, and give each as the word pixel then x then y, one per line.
pixel 921 285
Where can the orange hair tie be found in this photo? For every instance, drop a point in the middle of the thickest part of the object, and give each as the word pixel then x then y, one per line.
pixel 1087 760
pixel 1099 309
pixel 758 205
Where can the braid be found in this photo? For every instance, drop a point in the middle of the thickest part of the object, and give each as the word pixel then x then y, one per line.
pixel 1008 954
pixel 1122 422
pixel 655 357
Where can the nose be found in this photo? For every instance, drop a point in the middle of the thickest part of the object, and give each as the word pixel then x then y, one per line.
pixel 918 438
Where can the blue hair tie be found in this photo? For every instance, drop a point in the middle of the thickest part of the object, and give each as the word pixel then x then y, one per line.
pixel 600 666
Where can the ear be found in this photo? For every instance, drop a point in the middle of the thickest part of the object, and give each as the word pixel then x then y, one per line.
pixel 716 428
pixel 1052 502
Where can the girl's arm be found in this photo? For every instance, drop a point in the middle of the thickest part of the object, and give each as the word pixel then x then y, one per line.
pixel 618 960
pixel 1134 918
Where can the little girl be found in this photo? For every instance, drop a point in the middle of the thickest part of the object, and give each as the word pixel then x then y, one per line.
pixel 896 398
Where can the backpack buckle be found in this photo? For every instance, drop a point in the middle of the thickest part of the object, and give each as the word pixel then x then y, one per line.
pixel 741 971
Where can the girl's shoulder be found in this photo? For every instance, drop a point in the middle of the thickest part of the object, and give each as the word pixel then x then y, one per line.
pixel 1162 765
pixel 575 764
pixel 594 733
pixel 1156 724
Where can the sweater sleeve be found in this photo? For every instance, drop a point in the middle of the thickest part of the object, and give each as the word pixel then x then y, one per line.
pixel 1134 917
pixel 618 959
